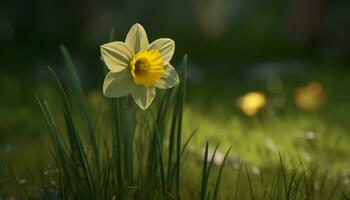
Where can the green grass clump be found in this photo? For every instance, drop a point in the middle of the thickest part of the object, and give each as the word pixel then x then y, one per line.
pixel 140 158
pixel 125 153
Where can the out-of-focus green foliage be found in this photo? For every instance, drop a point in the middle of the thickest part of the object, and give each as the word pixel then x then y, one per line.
pixel 236 47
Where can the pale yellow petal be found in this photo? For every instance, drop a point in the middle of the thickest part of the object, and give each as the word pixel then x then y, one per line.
pixel 118 84
pixel 116 55
pixel 136 38
pixel 165 46
pixel 143 96
pixel 169 78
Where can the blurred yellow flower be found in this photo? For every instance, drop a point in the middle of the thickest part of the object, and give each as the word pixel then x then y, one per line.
pixel 251 103
pixel 137 67
pixel 310 97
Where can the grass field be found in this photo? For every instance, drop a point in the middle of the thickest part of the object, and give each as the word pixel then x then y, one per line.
pixel 281 153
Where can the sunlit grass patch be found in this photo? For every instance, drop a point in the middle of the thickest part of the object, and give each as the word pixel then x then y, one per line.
pixel 110 149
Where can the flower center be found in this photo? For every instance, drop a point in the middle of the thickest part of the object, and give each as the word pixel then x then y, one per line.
pixel 147 67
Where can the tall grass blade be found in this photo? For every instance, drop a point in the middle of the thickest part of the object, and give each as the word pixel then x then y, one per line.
pixel 81 102
pixel 161 162
pixel 284 177
pixel 212 159
pixel 171 168
pixel 238 180
pixel 180 101
pixel 14 178
pixel 250 182
pixel 78 152
pixel 60 154
pixel 291 183
pixel 217 184
pixel 159 131
pixel 188 140
pixel 204 183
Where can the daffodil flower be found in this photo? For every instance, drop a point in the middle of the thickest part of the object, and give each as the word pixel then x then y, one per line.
pixel 137 67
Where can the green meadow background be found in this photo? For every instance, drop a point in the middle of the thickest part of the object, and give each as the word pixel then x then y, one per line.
pixel 234 47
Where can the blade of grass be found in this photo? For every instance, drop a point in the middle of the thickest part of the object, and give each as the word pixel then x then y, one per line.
pixel 212 160
pixel 274 186
pixel 284 177
pixel 203 190
pixel 175 132
pixel 291 183
pixel 250 182
pixel 238 180
pixel 60 154
pixel 161 162
pixel 74 138
pixel 158 131
pixel 217 184
pixel 81 102
pixel 13 177
pixel 188 140
pixel 172 145
pixel 180 101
